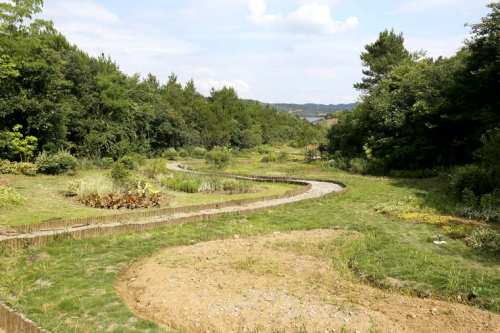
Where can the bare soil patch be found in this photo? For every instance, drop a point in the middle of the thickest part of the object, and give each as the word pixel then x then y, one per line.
pixel 279 283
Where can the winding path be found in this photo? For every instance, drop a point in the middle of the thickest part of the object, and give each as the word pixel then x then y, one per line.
pixel 317 189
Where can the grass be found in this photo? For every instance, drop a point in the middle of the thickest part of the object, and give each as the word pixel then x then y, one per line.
pixel 68 287
pixel 44 198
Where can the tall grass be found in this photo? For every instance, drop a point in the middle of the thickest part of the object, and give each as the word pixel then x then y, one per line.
pixel 203 184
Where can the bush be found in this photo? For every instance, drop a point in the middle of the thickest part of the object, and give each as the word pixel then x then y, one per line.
pixel 181 183
pixel 105 162
pixel 359 166
pixel 17 168
pixel 264 150
pixel 9 197
pixel 271 157
pixel 199 152
pixel 219 158
pixel 311 154
pixel 484 239
pixel 155 167
pixel 283 156
pixel 234 186
pixel 129 162
pixel 120 173
pixel 183 152
pixel 170 154
pixel 56 164
pixel 471 177
pixel 101 196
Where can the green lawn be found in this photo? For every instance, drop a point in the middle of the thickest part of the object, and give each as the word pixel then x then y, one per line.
pixel 45 200
pixel 68 286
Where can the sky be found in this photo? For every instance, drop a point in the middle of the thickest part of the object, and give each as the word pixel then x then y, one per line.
pixel 281 51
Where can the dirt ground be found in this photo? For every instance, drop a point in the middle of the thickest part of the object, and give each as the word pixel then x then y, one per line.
pixel 278 283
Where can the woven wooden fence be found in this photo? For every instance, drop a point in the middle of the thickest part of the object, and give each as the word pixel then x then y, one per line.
pixel 13 322
pixel 151 213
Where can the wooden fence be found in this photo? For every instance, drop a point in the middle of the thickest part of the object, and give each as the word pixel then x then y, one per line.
pixel 13 322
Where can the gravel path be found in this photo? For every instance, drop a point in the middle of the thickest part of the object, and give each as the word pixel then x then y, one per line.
pixel 318 189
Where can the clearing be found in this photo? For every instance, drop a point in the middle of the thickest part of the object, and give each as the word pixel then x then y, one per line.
pixel 279 283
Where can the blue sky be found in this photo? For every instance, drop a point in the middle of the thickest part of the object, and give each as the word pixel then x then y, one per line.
pixel 272 50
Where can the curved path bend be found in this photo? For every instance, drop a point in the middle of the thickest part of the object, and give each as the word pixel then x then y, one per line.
pixel 317 189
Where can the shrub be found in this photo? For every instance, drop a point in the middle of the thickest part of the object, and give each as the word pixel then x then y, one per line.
pixel 100 192
pixel 9 197
pixel 472 177
pixel 311 154
pixel 271 157
pixel 199 152
pixel 264 150
pixel 129 162
pixel 181 183
pixel 91 185
pixel 16 168
pixel 484 239
pixel 105 162
pixel 219 158
pixel 234 186
pixel 338 162
pixel 120 173
pixel 183 152
pixel 359 166
pixel 283 156
pixel 56 164
pixel 155 167
pixel 170 154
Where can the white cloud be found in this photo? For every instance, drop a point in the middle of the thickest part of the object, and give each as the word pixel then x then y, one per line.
pixel 414 6
pixel 205 85
pixel 310 18
pixel 258 12
pixel 80 9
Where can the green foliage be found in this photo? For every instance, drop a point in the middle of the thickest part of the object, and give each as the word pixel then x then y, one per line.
pixel 99 192
pixel 55 164
pixel 202 184
pixel 170 154
pixel 218 157
pixel 359 166
pixel 15 146
pixel 120 173
pixel 311 153
pixel 69 100
pixel 104 162
pixel 17 168
pixel 381 57
pixel 423 113
pixel 181 183
pixel 154 168
pixel 471 177
pixel 270 157
pixel 198 152
pixel 9 197
pixel 484 239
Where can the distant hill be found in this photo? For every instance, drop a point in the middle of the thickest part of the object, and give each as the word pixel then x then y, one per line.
pixel 313 110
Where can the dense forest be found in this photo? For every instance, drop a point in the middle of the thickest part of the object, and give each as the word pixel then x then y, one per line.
pixel 54 96
pixel 423 114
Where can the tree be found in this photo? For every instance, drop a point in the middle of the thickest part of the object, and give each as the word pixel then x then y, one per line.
pixel 381 57
pixel 14 145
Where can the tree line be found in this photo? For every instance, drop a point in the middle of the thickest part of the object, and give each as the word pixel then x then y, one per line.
pixel 418 115
pixel 55 96
pixel 418 112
